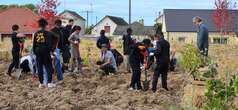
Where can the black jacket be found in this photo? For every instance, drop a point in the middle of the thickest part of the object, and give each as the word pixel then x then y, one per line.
pixel 136 57
pixel 58 36
pixel 15 42
pixel 162 52
pixel 42 43
pixel 103 40
pixel 127 44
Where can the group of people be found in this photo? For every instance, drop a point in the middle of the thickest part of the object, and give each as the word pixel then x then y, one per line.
pixel 63 42
pixel 47 50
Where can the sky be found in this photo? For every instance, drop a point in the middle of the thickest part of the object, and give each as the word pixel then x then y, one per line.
pixel 141 9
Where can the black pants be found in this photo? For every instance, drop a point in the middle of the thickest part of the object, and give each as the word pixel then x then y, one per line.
pixel 25 66
pixel 108 69
pixel 15 61
pixel 163 71
pixel 136 75
pixel 66 54
pixel 44 61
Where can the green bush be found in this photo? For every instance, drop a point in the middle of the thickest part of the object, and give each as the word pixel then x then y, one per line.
pixel 191 58
pixel 219 93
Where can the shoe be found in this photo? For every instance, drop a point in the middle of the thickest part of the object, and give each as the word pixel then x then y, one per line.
pixel 166 88
pixel 131 89
pixel 41 86
pixel 51 85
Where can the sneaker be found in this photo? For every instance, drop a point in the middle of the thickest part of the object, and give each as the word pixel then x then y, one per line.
pixel 41 86
pixel 131 89
pixel 51 85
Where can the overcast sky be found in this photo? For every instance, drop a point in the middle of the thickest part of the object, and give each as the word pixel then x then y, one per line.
pixel 141 9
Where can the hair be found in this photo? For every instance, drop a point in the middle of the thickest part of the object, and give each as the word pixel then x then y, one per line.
pixel 159 34
pixel 129 30
pixel 58 22
pixel 76 28
pixel 147 42
pixel 15 27
pixel 71 20
pixel 102 32
pixel 42 23
pixel 199 19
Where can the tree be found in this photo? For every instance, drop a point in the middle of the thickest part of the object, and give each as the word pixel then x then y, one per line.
pixel 47 10
pixel 158 27
pixel 223 17
pixel 29 6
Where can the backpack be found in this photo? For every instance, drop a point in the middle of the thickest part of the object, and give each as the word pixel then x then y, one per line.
pixel 118 57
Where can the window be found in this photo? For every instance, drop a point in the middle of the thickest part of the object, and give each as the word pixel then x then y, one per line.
pixel 107 29
pixel 181 39
pixel 218 40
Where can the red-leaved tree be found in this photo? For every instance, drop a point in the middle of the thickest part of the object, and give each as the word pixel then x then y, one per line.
pixel 224 16
pixel 47 10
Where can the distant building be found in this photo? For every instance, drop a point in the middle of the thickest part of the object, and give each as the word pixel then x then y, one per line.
pixel 23 17
pixel 139 30
pixel 79 20
pixel 177 26
pixel 109 24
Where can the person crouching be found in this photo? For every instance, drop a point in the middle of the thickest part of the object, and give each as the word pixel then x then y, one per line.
pixel 107 62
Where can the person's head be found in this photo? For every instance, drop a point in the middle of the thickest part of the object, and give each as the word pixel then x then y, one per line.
pixel 197 20
pixel 77 29
pixel 42 23
pixel 104 47
pixel 158 36
pixel 129 31
pixel 71 22
pixel 102 32
pixel 58 23
pixel 147 43
pixel 15 27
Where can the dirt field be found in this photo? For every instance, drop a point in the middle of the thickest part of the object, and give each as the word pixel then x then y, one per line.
pixel 89 92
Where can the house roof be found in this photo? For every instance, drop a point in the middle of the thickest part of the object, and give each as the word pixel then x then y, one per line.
pixel 23 17
pixel 138 29
pixel 118 20
pixel 180 20
pixel 75 14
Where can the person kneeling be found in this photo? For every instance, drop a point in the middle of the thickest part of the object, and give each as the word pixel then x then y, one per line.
pixel 107 62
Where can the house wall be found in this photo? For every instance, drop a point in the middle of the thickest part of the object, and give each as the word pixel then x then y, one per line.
pixel 80 22
pixel 191 37
pixel 100 26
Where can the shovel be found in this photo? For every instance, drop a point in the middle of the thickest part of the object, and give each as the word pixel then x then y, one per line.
pixel 146 82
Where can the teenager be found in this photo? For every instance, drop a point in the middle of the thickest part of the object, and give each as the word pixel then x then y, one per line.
pixel 16 48
pixel 74 40
pixel 42 48
pixel 162 55
pixel 107 63
pixel 127 44
pixel 103 40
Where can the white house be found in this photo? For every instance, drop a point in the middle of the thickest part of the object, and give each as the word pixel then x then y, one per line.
pixel 78 20
pixel 178 27
pixel 109 24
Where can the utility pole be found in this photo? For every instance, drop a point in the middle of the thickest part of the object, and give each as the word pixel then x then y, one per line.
pixel 130 13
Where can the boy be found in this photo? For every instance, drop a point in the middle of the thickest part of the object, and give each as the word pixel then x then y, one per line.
pixel 108 62
pixel 74 39
pixel 42 48
pixel 16 48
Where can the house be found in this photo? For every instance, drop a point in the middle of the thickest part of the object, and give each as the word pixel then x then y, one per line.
pixel 109 24
pixel 23 17
pixel 139 30
pixel 178 27
pixel 78 20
